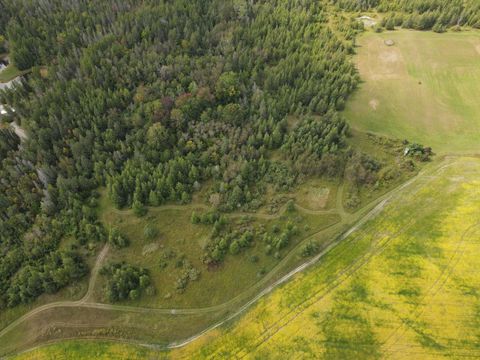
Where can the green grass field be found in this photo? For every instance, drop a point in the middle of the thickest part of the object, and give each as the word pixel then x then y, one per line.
pixel 178 238
pixel 10 73
pixel 404 285
pixel 86 350
pixel 425 88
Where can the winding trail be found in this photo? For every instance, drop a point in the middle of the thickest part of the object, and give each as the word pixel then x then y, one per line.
pixel 78 303
pixel 258 215
pixel 94 274
pixel 348 224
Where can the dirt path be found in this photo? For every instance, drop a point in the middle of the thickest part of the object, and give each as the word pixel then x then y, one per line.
pixel 360 217
pixel 94 273
pixel 84 300
pixel 258 215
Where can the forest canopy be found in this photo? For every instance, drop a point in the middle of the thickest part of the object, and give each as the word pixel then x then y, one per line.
pixel 154 100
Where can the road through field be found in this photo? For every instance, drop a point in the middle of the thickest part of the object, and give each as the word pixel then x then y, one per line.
pixel 403 285
pixel 239 304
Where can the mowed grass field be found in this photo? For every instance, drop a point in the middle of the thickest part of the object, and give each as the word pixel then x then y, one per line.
pixel 404 285
pixel 85 350
pixel 10 73
pixel 424 88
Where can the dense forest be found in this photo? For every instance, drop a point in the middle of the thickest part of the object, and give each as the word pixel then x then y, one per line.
pixel 153 100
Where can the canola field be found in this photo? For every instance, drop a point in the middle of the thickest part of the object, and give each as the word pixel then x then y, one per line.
pixel 404 286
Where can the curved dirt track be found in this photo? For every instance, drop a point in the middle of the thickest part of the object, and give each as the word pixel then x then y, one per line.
pixel 355 221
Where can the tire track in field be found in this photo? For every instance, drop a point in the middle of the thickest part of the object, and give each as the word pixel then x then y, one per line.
pixel 363 218
pixel 431 292
pixel 325 291
pixel 341 275
pixel 333 285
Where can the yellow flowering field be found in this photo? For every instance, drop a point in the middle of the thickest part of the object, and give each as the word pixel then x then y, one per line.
pixel 406 285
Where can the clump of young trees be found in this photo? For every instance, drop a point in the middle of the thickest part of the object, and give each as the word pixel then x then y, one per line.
pixel 46 275
pixel 126 282
pixel 189 273
pixel 117 239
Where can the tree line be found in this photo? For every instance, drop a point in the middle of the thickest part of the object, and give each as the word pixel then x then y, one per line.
pixel 437 15
pixel 153 100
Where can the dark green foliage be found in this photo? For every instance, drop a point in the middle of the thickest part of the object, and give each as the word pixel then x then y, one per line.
pixel 189 273
pixel 290 206
pixel 362 169
pixel 117 239
pixel 226 238
pixel 230 240
pixel 310 248
pixel 48 275
pixel 208 218
pixel 154 99
pixel 138 208
pixel 195 218
pixel 3 43
pixel 9 141
pixel 125 281
pixel 314 144
pixel 280 240
pixel 418 151
pixel 227 88
pixel 421 14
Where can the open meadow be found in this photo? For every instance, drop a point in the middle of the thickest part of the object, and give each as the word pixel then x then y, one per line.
pixel 394 276
pixel 424 88
pixel 404 285
pixel 177 244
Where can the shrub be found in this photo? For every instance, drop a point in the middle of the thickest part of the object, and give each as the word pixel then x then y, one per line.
pixel 139 209
pixel 125 281
pixel 150 232
pixel 290 206
pixel 309 249
pixel 117 239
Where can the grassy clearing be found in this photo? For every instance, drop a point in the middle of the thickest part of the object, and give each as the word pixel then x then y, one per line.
pixel 66 323
pixel 179 239
pixel 424 88
pixel 10 73
pixel 316 194
pixel 405 285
